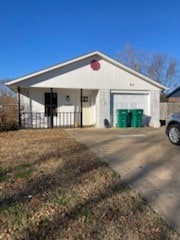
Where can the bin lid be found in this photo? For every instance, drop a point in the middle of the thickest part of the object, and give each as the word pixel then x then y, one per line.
pixel 136 110
pixel 122 110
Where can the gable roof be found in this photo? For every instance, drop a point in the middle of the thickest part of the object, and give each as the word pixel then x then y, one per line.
pixel 174 92
pixel 95 53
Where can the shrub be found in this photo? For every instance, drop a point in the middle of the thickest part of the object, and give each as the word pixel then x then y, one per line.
pixel 8 114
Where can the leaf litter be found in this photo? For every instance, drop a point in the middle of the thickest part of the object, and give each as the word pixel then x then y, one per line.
pixel 53 187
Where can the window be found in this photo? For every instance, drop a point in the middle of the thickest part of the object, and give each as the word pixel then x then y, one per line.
pixel 47 104
pixel 85 99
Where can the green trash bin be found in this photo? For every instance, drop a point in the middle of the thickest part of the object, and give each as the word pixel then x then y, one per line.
pixel 122 118
pixel 136 117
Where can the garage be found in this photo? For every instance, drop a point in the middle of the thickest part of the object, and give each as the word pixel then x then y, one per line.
pixel 130 100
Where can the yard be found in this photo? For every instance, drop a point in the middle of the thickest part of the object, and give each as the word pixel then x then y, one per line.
pixel 53 187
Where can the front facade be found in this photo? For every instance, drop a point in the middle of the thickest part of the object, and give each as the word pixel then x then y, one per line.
pixel 85 91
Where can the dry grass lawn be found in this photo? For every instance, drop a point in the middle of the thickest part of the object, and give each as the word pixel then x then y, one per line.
pixel 53 187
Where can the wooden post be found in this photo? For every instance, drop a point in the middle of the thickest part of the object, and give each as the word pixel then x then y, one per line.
pixel 19 108
pixel 81 108
pixel 51 107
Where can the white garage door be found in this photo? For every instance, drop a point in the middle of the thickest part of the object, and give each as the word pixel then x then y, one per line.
pixel 129 101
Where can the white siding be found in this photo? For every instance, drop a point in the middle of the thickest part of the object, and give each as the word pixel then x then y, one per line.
pixel 69 79
pixel 25 100
pixel 34 103
pixel 80 75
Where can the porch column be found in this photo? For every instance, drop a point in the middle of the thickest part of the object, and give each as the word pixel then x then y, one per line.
pixel 19 107
pixel 81 108
pixel 51 108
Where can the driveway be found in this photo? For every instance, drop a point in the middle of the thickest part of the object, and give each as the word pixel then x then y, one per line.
pixel 145 159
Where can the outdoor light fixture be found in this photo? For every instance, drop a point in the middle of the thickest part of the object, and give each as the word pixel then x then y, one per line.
pixel 67 98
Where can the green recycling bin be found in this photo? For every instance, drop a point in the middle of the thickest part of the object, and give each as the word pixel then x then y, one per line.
pixel 136 117
pixel 122 118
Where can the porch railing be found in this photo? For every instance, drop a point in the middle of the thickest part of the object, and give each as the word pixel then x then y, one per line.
pixel 39 120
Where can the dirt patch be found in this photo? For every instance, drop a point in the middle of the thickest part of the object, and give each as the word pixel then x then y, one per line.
pixel 53 187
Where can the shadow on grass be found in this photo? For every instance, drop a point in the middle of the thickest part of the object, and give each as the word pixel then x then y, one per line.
pixel 102 215
pixel 70 174
pixel 97 214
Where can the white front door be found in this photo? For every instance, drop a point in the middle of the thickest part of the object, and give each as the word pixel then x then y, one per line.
pixel 87 110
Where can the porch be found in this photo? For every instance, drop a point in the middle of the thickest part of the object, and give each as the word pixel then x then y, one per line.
pixel 60 119
pixel 49 108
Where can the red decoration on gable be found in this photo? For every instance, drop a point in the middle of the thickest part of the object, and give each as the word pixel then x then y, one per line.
pixel 95 65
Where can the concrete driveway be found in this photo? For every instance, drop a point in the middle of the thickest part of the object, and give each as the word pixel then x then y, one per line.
pixel 145 159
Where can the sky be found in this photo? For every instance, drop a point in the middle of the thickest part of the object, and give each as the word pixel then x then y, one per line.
pixel 35 34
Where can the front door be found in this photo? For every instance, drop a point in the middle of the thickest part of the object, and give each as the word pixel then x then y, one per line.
pixel 87 110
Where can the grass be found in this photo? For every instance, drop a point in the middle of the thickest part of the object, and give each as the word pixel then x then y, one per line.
pixel 53 187
pixel 23 171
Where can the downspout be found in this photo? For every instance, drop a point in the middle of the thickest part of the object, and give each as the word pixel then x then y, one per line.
pixel 51 108
pixel 81 108
pixel 19 108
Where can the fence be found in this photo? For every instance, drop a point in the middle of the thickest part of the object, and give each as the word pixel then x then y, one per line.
pixel 39 120
pixel 167 109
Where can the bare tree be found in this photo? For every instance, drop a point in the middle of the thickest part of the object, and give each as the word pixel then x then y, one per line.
pixel 8 108
pixel 172 74
pixel 158 66
pixel 130 57
pixel 4 90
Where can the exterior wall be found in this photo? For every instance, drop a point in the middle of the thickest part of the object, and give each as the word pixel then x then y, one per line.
pixel 81 75
pixel 69 79
pixel 174 99
pixel 32 100
pixel 154 108
pixel 36 100
pixel 102 107
pixel 25 100
pixel 68 111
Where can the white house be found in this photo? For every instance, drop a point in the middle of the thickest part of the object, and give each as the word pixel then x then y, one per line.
pixel 84 92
